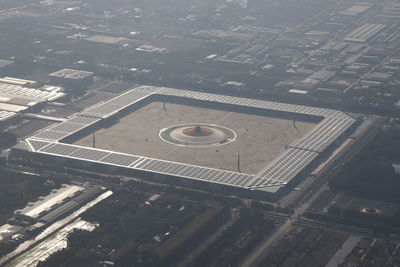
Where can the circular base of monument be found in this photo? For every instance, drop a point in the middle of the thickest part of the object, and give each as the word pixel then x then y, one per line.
pixel 197 135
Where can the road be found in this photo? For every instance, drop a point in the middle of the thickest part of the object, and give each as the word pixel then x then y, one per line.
pixel 310 193
pixel 211 239
pixel 303 199
pixel 267 243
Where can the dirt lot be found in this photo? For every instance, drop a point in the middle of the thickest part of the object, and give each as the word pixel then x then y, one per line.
pixel 260 139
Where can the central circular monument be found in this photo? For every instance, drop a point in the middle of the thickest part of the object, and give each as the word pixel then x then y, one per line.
pixel 197 135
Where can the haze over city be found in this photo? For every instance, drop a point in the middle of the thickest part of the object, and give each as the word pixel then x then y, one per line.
pixel 199 133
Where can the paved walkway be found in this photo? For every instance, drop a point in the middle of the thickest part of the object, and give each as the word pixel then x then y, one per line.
pixel 345 250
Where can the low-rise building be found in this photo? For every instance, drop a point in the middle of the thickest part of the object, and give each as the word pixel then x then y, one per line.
pixel 72 77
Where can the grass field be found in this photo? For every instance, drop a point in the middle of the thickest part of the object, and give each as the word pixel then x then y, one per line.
pixel 347 202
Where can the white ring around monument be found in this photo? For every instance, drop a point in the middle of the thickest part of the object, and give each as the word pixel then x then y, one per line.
pixel 213 135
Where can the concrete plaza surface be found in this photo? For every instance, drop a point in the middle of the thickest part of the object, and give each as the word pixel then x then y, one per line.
pixel 260 139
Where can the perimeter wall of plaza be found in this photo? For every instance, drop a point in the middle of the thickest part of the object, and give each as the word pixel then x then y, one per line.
pixel 53 144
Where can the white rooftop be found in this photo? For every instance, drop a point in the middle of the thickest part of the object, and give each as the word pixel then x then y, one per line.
pixel 280 172
pixel 50 201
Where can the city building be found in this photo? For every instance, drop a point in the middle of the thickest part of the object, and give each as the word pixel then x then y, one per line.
pixel 72 78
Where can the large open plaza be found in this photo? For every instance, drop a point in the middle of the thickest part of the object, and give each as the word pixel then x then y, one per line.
pixel 161 132
pixel 259 139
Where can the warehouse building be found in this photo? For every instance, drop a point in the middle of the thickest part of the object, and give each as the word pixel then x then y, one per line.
pixel 16 99
pixel 57 204
pixel 355 10
pixel 365 33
